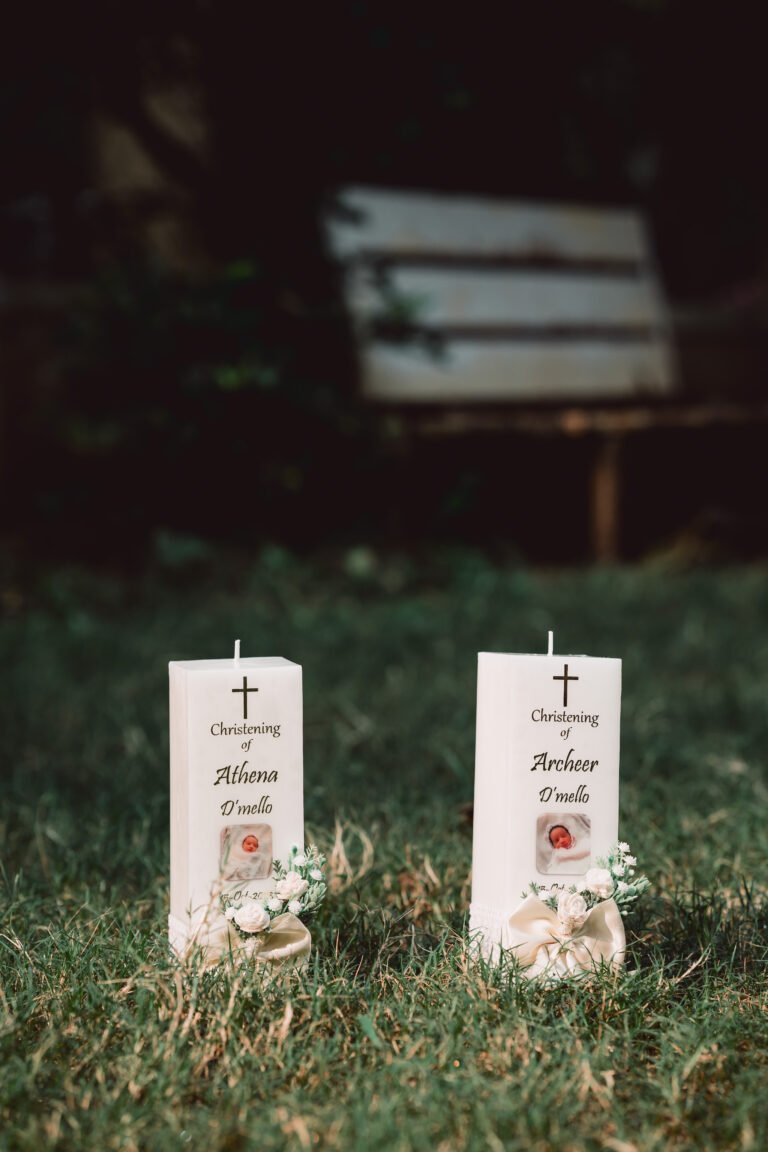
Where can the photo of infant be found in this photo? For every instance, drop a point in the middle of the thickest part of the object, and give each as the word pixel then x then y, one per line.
pixel 246 851
pixel 563 843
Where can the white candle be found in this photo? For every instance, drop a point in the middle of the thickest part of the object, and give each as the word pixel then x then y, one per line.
pixel 237 800
pixel 546 778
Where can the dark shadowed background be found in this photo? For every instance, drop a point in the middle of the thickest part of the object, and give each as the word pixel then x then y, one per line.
pixel 175 354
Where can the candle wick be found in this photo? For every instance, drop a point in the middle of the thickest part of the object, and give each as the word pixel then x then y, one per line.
pixel 550 643
pixel 237 651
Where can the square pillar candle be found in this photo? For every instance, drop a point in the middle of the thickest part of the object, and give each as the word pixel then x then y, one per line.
pixel 237 797
pixel 546 780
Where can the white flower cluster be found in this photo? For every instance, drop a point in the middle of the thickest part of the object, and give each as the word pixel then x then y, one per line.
pixel 300 889
pixel 614 877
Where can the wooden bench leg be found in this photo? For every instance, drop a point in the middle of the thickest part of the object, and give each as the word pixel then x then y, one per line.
pixel 605 495
pixel 398 455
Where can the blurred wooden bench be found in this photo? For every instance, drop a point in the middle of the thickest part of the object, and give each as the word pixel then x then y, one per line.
pixel 484 315
pixel 525 303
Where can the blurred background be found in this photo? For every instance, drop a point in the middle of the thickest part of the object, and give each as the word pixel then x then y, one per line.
pixel 177 361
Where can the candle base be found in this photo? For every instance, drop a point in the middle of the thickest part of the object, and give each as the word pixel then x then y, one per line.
pixel 487 930
pixel 210 938
pixel 178 935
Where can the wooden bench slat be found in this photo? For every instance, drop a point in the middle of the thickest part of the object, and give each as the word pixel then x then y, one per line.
pixel 531 302
pixel 476 372
pixel 449 421
pixel 497 298
pixel 437 225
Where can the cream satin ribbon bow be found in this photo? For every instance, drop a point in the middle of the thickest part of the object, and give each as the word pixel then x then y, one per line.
pixel 544 946
pixel 287 942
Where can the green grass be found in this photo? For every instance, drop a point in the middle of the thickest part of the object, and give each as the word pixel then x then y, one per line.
pixel 390 1039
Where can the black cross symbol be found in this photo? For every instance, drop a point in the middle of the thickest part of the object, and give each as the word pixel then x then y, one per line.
pixel 565 678
pixel 245 690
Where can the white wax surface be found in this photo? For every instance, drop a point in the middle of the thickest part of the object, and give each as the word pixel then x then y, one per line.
pixel 539 780
pixel 226 827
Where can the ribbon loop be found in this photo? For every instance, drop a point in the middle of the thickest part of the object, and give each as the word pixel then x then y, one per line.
pixel 288 939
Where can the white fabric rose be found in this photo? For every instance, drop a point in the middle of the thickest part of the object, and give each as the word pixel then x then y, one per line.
pixel 300 861
pixel 291 886
pixel 572 911
pixel 599 881
pixel 294 907
pixel 275 904
pixel 316 874
pixel 251 917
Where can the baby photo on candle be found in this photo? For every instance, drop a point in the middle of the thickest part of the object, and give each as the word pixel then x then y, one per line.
pixel 246 852
pixel 563 843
